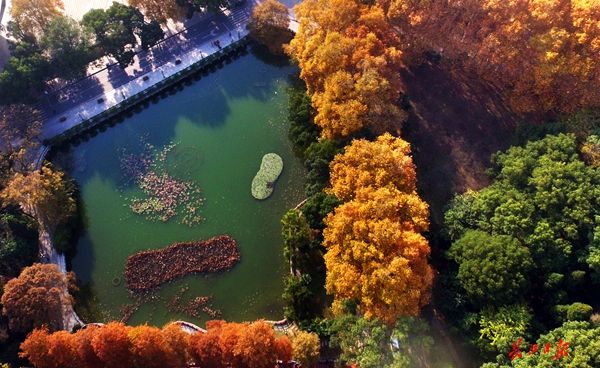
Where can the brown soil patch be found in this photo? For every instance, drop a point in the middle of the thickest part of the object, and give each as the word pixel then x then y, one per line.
pixel 148 270
pixel 455 125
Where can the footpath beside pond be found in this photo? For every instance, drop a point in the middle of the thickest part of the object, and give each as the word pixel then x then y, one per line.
pixel 88 98
pixel 55 125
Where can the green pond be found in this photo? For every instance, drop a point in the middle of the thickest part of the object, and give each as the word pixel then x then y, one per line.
pixel 222 124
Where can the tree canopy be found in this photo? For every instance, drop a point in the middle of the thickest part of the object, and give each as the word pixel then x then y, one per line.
pixel 269 25
pixel 24 74
pixel 527 242
pixel 160 10
pixel 239 345
pixel 115 30
pixel 305 348
pixel 34 16
pixel 67 46
pixel 492 269
pixel 20 127
pixel 543 195
pixel 372 344
pixel 18 242
pixel 36 298
pixel 252 345
pixel 44 194
pixel 542 54
pixel 349 61
pixel 376 254
pixel 574 344
pixel 366 164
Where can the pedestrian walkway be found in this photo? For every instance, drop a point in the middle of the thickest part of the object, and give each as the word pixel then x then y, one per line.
pixel 89 97
pixel 69 106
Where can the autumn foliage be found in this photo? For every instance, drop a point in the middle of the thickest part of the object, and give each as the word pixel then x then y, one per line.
pixel 376 254
pixel 34 16
pixel 349 60
pixel 44 194
pixel 35 298
pixel 252 345
pixel 239 345
pixel 544 55
pixel 269 25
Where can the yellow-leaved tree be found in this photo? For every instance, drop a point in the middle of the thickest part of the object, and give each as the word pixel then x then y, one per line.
pixel 46 196
pixel 376 253
pixel 373 164
pixel 43 194
pixel 349 60
pixel 33 16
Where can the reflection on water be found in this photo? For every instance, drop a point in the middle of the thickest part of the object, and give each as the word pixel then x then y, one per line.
pixel 222 125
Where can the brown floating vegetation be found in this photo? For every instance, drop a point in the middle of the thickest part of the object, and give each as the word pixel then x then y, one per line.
pixel 149 269
pixel 192 308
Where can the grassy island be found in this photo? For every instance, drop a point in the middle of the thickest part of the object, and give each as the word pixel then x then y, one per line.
pixel 264 181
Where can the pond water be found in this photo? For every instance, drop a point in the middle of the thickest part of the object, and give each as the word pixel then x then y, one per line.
pixel 222 125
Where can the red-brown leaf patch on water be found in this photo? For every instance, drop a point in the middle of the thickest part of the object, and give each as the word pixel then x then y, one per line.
pixel 149 269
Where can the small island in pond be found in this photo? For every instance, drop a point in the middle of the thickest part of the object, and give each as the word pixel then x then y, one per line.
pixel 149 269
pixel 264 181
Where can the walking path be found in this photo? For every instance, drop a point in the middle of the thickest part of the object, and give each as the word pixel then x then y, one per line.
pixel 69 106
pixel 4 53
pixel 87 98
pixel 2 8
pixel 189 327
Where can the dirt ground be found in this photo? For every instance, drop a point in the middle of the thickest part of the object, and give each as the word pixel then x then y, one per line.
pixel 455 125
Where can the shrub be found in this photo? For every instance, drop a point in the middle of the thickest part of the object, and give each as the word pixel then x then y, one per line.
pixel 579 312
pixel 573 312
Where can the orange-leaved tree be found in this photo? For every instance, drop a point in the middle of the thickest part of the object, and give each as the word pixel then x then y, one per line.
pixel 33 16
pixel 115 345
pixel 269 25
pixel 55 350
pixel 544 55
pixel 112 345
pixel 376 253
pixel 149 348
pixel 178 342
pixel 239 345
pixel 206 349
pixel 349 60
pixel 37 297
pixel 85 351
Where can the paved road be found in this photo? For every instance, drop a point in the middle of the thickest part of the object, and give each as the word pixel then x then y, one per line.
pixel 2 7
pixel 54 103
